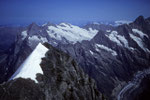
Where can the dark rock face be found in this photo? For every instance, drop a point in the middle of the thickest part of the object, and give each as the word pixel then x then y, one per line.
pixel 65 78
pixel 7 39
pixel 62 79
pixel 21 89
pixel 12 58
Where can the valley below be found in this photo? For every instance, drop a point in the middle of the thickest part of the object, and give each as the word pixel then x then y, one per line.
pixel 131 90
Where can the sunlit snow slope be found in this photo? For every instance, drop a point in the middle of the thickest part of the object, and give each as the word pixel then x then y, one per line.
pixel 31 65
pixel 70 32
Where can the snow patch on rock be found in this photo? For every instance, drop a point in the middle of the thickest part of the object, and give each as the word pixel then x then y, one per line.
pixel 24 34
pixel 91 52
pixel 44 39
pixel 119 39
pixel 139 42
pixel 108 31
pixel 34 38
pixel 140 33
pixel 114 53
pixel 37 38
pixel 113 36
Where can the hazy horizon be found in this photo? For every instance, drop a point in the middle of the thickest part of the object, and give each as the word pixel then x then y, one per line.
pixel 71 11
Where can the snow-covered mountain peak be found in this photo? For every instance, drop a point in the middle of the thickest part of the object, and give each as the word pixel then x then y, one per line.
pixel 31 66
pixel 70 32
pixel 65 24
pixel 120 22
pixel 96 23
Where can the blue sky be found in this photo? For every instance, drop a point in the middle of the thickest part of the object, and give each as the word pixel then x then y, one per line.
pixel 72 11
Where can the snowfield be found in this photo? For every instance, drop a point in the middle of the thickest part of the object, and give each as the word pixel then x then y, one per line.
pixel 119 39
pixel 113 36
pixel 70 32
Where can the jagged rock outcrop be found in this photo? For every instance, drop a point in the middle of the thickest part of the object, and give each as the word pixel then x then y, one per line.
pixel 62 79
pixel 21 89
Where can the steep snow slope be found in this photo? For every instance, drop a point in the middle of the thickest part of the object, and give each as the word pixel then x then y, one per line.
pixel 105 48
pixel 31 65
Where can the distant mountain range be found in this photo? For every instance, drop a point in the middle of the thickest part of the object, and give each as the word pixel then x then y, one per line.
pixel 110 54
